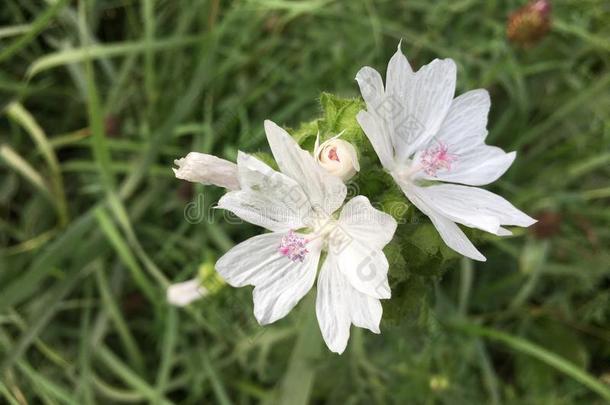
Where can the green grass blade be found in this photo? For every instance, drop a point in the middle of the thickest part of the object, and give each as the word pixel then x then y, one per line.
pixel 91 52
pixel 116 394
pixel 99 145
pixel 168 348
pixel 21 166
pixel 13 30
pixel 28 282
pixel 110 305
pixel 36 27
pixel 299 379
pixel 20 115
pixel 542 354
pixel 218 385
pixel 51 388
pixel 43 318
pixel 124 252
pixel 127 375
pixel 6 393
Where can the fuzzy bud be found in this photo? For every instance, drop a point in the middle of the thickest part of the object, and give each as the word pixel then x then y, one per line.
pixel 530 23
pixel 207 169
pixel 337 157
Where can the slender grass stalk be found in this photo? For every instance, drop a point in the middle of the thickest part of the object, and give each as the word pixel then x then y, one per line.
pixel 41 22
pixel 521 345
pixel 20 115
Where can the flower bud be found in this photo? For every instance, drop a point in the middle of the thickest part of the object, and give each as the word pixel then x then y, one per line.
pixel 337 157
pixel 439 383
pixel 207 169
pixel 530 23
pixel 182 294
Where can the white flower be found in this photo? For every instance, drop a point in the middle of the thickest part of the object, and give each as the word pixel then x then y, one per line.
pixel 337 157
pixel 182 294
pixel 422 134
pixel 300 206
pixel 207 169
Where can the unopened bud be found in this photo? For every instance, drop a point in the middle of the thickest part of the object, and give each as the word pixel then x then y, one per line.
pixel 207 169
pixel 337 157
pixel 182 294
pixel 530 23
pixel 439 383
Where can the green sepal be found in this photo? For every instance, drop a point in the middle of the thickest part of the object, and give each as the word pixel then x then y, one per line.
pixel 209 278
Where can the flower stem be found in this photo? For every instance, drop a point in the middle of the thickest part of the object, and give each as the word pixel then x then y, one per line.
pixel 297 385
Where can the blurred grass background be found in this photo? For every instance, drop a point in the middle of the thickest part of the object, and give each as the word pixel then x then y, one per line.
pixel 98 97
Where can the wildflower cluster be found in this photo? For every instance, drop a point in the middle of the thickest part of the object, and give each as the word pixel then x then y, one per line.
pixel 407 151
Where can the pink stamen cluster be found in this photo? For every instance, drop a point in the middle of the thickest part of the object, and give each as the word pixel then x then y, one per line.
pixel 437 158
pixel 293 247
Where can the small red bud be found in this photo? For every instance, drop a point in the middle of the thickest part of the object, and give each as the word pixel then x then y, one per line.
pixel 529 24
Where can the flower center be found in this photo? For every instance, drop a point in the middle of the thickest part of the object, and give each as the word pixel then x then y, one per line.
pixel 293 247
pixel 437 158
pixel 332 154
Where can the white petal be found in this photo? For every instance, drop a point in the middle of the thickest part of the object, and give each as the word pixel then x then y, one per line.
pixel 464 127
pixel 476 167
pixel 207 169
pixel 454 237
pixel 398 75
pixel 376 131
pixel 268 198
pixel 324 192
pixel 361 221
pixel 365 310
pixel 364 265
pixel 371 87
pixel 373 121
pixel 352 155
pixel 338 305
pixel 474 207
pixel 504 232
pixel 451 234
pixel 182 294
pixel 418 112
pixel 279 283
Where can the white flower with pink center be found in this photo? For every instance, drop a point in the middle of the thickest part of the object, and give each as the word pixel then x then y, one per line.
pixel 421 134
pixel 436 158
pixel 302 206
